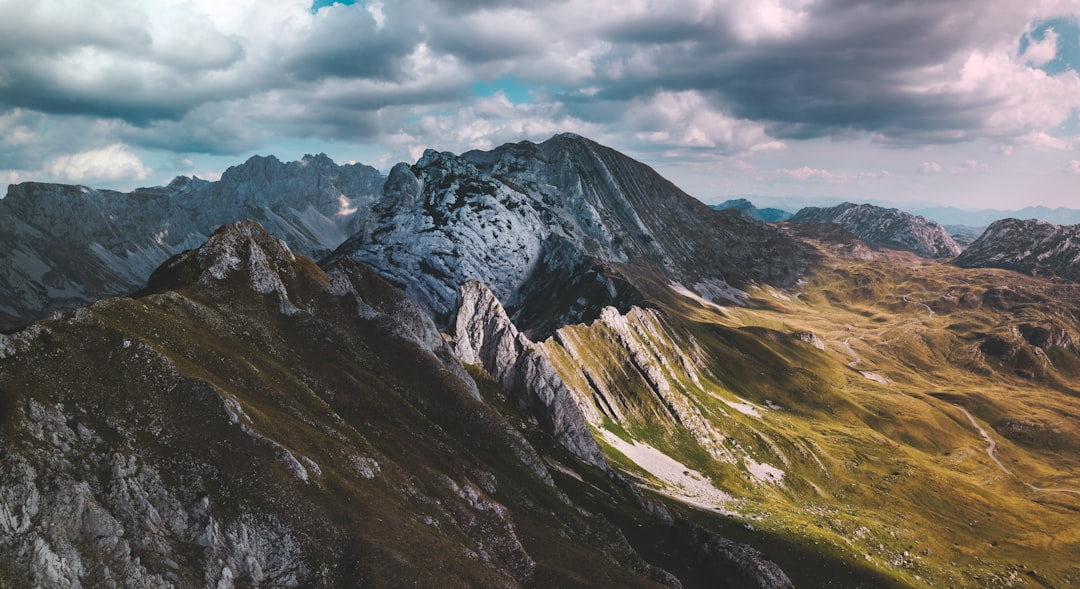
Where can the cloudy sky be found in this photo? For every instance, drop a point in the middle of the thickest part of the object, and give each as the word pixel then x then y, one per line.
pixel 965 102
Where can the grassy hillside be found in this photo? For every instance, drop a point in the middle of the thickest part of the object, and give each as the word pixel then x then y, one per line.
pixel 854 414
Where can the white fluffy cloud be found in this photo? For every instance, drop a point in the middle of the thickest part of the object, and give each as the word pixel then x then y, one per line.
pixel 109 164
pixel 686 119
pixel 806 173
pixel 1041 52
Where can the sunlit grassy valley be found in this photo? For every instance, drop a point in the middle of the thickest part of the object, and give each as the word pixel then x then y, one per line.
pixel 854 413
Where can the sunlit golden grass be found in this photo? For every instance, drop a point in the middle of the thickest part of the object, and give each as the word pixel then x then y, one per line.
pixel 882 466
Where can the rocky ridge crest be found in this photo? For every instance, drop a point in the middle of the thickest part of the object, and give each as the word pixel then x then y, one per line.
pixel 483 335
pixel 1033 247
pixel 206 434
pixel 880 227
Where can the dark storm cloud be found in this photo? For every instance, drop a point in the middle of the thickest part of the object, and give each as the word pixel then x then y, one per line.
pixel 479 47
pixel 79 61
pixel 667 76
pixel 848 66
pixel 120 98
pixel 346 42
pixel 179 83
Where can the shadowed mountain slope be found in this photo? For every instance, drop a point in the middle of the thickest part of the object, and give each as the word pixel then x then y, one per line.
pixel 252 420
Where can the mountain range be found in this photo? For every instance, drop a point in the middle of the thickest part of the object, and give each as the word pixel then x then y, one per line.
pixel 349 448
pixel 539 365
pixel 968 217
pixel 559 230
pixel 64 246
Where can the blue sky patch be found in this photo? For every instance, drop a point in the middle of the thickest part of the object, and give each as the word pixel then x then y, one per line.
pixel 317 4
pixel 1068 44
pixel 515 91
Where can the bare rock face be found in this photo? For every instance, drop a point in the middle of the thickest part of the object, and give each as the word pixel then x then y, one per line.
pixel 885 228
pixel 484 335
pixel 558 231
pixel 64 246
pixel 1033 247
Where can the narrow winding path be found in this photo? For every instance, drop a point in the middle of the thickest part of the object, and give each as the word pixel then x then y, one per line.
pixel 923 305
pixel 992 445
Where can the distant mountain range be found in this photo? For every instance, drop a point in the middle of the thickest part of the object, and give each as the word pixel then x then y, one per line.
pixel 747 208
pixel 62 246
pixel 984 217
pixel 976 218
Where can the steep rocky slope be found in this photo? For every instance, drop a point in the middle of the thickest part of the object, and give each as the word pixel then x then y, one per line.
pixel 768 215
pixel 63 246
pixel 252 420
pixel 885 228
pixel 1032 247
pixel 557 231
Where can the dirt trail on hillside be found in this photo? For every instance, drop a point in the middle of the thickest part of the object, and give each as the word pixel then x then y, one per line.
pixel 992 445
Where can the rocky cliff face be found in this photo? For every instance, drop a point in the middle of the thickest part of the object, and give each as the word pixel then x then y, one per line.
pixel 558 230
pixel 69 245
pixel 885 228
pixel 1032 247
pixel 253 420
pixel 484 335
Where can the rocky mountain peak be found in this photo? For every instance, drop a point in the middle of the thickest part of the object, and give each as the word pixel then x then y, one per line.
pixel 885 228
pixel 1029 246
pixel 320 159
pixel 185 183
pixel 558 226
pixel 402 188
pixel 241 255
pixel 243 246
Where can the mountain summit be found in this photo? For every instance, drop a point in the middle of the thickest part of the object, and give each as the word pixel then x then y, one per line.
pixel 1033 247
pixel 558 230
pixel 885 228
